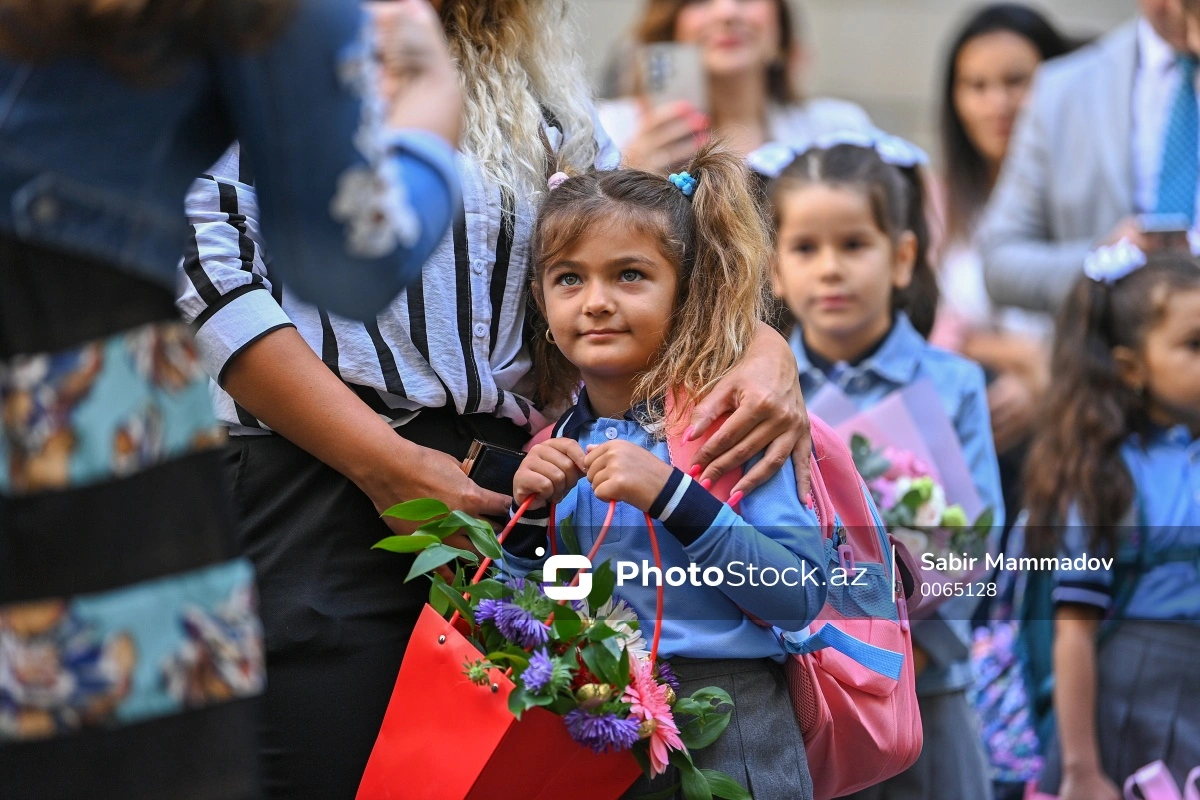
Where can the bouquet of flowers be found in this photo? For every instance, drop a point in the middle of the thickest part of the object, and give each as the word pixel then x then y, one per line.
pixel 913 505
pixel 584 662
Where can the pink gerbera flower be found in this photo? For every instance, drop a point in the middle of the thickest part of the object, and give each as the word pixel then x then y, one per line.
pixel 648 700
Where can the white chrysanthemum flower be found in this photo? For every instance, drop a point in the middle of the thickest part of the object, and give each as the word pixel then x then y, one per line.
pixel 617 614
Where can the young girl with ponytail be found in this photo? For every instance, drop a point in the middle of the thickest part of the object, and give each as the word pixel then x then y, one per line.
pixel 851 264
pixel 1114 472
pixel 648 291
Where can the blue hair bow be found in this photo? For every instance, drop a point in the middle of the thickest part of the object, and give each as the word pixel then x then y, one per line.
pixel 684 182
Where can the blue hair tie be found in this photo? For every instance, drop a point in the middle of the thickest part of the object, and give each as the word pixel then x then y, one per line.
pixel 684 182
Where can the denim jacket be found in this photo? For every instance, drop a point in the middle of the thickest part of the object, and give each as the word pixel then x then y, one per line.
pixel 904 357
pixel 93 165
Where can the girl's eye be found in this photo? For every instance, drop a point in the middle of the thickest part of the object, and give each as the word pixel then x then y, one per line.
pixel 631 275
pixel 855 243
pixel 804 248
pixel 1193 345
pixel 567 279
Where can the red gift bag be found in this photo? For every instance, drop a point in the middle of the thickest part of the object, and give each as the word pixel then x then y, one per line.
pixel 446 738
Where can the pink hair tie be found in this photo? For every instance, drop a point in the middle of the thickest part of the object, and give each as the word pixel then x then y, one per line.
pixel 556 180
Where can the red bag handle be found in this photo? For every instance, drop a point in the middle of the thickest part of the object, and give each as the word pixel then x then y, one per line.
pixel 612 507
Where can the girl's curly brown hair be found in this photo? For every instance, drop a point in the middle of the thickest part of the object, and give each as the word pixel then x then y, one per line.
pixel 720 243
pixel 1075 458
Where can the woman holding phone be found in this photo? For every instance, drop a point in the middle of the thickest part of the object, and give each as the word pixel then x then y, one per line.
pixel 748 52
pixel 333 421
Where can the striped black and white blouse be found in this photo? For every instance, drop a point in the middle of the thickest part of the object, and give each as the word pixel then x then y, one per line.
pixel 455 337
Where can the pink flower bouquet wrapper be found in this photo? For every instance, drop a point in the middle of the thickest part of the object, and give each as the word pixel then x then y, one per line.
pixel 912 419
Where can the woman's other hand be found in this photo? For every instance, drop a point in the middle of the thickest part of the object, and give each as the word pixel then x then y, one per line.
pixel 667 136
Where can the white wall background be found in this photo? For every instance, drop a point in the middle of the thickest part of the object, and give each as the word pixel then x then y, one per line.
pixel 885 55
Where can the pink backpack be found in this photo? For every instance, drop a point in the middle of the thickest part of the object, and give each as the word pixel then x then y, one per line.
pixel 851 679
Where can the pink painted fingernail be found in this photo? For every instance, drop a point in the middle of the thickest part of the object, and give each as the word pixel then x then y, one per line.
pixel 695 470
pixel 736 498
pixel 687 435
pixel 706 483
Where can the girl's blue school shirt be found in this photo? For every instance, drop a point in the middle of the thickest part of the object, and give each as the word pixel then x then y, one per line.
pixel 1165 467
pixel 903 358
pixel 774 530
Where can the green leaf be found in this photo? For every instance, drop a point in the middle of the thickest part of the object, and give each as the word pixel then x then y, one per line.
pixel 985 521
pixel 519 701
pixel 567 624
pixel 455 598
pixel 418 510
pixel 485 542
pixel 489 589
pixel 700 732
pixel 686 706
pixel 563 703
pixel 695 785
pixel 406 544
pixel 599 632
pixel 600 662
pixel 722 785
pixel 604 580
pixel 436 555
pixel 566 530
pixel 439 601
pixel 517 659
pixel 712 696
pixel 623 668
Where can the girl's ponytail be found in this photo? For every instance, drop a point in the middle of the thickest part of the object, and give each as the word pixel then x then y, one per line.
pixel 724 295
pixel 920 299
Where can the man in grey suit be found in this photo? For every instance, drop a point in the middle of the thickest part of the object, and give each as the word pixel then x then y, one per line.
pixel 1088 156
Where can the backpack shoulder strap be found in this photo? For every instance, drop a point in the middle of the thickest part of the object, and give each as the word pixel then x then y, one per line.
pixel 683 453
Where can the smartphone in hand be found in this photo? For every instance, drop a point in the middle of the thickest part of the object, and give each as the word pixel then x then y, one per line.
pixel 673 71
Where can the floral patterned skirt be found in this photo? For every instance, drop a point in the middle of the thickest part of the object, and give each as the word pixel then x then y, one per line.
pixel 130 646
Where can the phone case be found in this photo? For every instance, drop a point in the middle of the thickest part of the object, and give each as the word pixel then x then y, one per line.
pixel 492 466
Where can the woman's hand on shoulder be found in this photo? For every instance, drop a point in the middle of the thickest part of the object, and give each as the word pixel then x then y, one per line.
pixel 667 136
pixel 767 413
pixel 549 471
pixel 623 471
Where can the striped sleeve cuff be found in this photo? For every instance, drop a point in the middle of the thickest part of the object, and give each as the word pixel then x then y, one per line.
pixel 240 318
pixel 1088 593
pixel 685 508
pixel 530 533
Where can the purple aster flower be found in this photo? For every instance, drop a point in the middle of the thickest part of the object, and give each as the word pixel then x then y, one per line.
pixel 517 584
pixel 601 732
pixel 538 673
pixel 519 626
pixel 486 611
pixel 667 675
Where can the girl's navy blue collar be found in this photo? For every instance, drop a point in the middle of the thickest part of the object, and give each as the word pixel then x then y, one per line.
pixel 894 359
pixel 581 414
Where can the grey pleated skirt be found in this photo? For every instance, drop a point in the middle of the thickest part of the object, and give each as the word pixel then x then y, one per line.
pixel 1148 706
pixel 762 749
pixel 952 764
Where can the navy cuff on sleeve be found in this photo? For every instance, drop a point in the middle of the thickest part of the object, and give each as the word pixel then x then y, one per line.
pixel 529 534
pixel 685 508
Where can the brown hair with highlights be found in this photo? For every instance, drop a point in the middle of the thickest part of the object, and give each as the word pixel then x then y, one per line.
pixel 1089 412
pixel 720 243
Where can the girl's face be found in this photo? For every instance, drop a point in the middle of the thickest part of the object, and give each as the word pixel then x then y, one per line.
pixel 993 72
pixel 609 301
pixel 734 36
pixel 835 269
pixel 1168 366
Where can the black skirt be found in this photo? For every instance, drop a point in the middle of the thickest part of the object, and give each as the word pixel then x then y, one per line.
pixel 131 656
